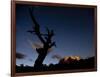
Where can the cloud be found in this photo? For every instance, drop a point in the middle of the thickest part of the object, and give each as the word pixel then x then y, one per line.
pixel 65 58
pixel 20 55
pixel 57 57
pixel 37 45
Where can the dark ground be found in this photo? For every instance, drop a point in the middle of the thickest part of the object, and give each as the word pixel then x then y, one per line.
pixel 81 64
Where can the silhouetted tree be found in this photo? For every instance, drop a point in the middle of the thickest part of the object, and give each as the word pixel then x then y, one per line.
pixel 45 38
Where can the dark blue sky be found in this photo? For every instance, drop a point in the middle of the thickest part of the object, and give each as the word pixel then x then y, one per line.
pixel 73 29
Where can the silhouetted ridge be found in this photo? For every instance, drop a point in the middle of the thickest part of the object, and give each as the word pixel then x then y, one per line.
pixel 75 64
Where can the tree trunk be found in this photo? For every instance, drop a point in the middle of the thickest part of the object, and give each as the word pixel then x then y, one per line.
pixel 38 63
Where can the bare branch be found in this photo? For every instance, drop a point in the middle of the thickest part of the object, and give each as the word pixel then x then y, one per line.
pixel 52 44
pixel 36 28
pixel 32 17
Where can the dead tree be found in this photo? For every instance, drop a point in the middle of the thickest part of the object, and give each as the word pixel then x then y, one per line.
pixel 45 38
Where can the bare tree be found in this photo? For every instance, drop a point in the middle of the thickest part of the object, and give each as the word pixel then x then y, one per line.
pixel 45 38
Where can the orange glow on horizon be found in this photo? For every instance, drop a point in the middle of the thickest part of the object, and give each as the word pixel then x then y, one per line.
pixel 72 57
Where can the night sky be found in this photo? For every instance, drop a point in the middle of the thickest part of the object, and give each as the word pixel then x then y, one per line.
pixel 73 29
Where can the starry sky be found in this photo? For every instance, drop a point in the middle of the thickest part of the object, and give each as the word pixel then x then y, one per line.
pixel 73 28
